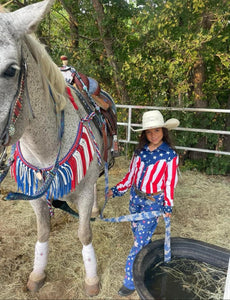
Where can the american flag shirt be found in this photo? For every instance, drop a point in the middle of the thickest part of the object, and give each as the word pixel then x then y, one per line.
pixel 151 172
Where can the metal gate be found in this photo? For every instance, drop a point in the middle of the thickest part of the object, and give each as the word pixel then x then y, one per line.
pixel 130 124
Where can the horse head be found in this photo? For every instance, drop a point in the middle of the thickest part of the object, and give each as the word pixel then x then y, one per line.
pixel 14 26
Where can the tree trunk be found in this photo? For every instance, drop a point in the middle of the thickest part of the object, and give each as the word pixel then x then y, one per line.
pixel 107 41
pixel 198 81
pixel 73 26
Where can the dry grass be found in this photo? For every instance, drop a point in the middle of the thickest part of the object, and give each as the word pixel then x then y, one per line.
pixel 199 279
pixel 201 212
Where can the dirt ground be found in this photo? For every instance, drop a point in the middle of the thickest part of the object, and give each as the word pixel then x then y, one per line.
pixel 201 212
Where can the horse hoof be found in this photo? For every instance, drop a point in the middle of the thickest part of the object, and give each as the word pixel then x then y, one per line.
pixel 92 289
pixel 34 284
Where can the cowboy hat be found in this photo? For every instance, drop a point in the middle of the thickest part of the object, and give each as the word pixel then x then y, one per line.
pixel 64 57
pixel 154 119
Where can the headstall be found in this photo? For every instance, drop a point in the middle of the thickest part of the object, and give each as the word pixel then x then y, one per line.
pixel 15 108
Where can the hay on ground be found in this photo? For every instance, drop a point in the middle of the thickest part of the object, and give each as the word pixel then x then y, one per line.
pixel 201 212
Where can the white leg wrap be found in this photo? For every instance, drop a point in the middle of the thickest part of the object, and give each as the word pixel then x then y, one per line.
pixel 89 259
pixel 41 257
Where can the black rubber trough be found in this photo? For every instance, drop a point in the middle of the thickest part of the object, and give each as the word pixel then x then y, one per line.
pixel 153 254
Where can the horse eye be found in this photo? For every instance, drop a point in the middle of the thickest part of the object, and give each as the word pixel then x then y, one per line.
pixel 11 71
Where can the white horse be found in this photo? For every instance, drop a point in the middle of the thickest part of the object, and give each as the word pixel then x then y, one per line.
pixel 35 106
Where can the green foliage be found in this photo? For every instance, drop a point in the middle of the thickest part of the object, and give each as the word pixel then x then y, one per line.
pixel 211 165
pixel 156 45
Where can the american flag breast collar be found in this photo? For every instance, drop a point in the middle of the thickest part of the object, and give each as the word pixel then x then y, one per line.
pixel 71 169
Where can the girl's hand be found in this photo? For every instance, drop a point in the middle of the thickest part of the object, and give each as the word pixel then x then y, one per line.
pixel 110 193
pixel 167 215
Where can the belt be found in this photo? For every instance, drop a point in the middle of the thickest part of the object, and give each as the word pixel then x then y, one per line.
pixel 147 196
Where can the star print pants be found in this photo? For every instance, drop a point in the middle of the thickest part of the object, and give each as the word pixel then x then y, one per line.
pixel 142 230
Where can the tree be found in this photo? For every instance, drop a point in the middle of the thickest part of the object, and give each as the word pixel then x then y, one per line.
pixel 161 53
pixel 108 44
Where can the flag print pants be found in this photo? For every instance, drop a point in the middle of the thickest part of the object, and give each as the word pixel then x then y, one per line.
pixel 142 230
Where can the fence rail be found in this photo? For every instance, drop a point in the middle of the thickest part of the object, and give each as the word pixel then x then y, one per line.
pixel 131 125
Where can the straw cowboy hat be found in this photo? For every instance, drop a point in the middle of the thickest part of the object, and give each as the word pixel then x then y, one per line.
pixel 154 119
pixel 64 57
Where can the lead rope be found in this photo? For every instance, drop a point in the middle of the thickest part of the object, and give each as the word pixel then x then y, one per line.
pixel 145 216
pixel 167 242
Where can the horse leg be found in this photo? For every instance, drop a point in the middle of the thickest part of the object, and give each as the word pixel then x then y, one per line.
pixel 37 276
pixel 95 209
pixel 88 253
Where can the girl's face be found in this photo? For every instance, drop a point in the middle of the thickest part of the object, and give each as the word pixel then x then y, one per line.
pixel 155 137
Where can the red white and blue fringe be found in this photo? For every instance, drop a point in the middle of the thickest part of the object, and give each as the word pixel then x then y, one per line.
pixel 72 168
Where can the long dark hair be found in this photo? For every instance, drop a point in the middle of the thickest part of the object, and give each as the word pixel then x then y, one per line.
pixel 143 140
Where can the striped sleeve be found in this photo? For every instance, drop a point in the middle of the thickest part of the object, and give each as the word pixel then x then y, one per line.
pixel 171 179
pixel 127 181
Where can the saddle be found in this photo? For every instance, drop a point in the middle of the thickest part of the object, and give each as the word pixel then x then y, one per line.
pixel 81 81
pixel 94 96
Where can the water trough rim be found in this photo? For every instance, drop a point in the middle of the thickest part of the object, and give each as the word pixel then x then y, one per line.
pixel 180 247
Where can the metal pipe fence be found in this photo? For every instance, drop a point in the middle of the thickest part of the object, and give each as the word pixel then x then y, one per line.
pixel 129 124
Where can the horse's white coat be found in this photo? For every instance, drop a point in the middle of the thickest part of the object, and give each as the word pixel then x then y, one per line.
pixel 39 137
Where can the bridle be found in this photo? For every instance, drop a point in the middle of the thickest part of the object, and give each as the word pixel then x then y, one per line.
pixel 14 112
pixel 15 108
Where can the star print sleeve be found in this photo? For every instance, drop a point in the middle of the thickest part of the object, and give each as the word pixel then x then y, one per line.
pixel 127 181
pixel 171 179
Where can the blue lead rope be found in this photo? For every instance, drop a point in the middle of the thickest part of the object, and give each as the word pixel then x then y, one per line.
pixel 146 216
pixel 167 243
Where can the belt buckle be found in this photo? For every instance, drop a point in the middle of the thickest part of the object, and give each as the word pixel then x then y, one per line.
pixel 144 195
pixel 151 198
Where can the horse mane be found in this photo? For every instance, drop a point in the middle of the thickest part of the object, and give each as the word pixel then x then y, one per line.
pixel 49 70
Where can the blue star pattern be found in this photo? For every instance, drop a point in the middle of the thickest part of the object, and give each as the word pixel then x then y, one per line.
pixel 149 172
pixel 142 229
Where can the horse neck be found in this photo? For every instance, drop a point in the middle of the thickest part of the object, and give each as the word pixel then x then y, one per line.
pixel 39 143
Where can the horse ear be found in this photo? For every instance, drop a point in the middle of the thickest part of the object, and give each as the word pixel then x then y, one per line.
pixel 26 19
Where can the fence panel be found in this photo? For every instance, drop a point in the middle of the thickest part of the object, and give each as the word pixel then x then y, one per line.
pixel 129 124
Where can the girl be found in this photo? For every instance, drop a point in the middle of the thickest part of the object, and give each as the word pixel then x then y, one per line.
pixel 152 177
